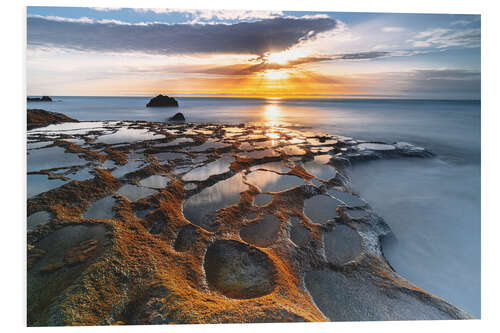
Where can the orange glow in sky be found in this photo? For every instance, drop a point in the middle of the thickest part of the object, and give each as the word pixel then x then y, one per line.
pixel 231 54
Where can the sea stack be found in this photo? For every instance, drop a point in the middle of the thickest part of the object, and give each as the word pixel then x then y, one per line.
pixel 162 101
pixel 40 99
pixel 179 117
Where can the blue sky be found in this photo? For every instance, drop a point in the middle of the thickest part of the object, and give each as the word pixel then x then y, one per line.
pixel 120 51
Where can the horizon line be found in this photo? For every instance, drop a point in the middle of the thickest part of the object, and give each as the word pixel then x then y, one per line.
pixel 305 96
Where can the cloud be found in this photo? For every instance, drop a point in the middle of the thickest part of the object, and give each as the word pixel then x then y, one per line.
pixel 369 55
pixel 261 64
pixel 199 15
pixel 448 74
pixel 460 22
pixel 106 9
pixel 249 69
pixel 315 16
pixel 83 19
pixel 362 55
pixel 259 37
pixel 393 29
pixel 442 38
pixel 426 83
pixel 460 83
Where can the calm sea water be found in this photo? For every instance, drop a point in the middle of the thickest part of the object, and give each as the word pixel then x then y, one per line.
pixel 432 205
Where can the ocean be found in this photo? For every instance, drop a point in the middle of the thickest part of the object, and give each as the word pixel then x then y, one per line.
pixel 432 205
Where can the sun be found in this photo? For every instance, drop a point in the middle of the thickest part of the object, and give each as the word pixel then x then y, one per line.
pixel 273 74
pixel 284 57
pixel 277 58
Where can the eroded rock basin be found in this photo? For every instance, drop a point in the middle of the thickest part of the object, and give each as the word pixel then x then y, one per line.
pixel 155 223
pixel 238 270
pixel 342 245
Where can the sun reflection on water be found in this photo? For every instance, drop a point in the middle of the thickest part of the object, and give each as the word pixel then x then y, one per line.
pixel 271 134
pixel 272 118
pixel 272 112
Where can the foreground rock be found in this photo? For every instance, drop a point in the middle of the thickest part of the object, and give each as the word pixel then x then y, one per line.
pixel 40 99
pixel 40 118
pixel 162 100
pixel 179 117
pixel 203 247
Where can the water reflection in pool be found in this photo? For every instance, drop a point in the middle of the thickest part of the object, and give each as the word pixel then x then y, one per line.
pixel 37 184
pixel 320 208
pixel 155 181
pixel 216 167
pixel 38 218
pixel 269 181
pixel 52 157
pixel 129 135
pixel 101 209
pixel 200 208
pixel 134 192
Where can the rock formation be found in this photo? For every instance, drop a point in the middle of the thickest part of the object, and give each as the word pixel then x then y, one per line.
pixel 177 117
pixel 162 101
pixel 40 118
pixel 40 99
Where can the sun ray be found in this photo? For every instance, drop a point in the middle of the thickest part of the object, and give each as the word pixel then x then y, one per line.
pixel 284 57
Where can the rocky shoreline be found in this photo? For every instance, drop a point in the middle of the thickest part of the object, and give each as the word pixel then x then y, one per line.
pixel 40 118
pixel 208 223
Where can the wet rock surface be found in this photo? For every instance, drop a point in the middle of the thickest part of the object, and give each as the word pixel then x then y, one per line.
pixel 341 297
pixel 155 223
pixel 299 234
pixel 66 254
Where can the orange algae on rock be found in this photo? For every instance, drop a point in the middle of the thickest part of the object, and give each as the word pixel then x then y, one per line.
pixel 118 157
pixel 73 148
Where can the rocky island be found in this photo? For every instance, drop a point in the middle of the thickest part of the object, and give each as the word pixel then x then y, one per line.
pixel 162 101
pixel 40 99
pixel 133 222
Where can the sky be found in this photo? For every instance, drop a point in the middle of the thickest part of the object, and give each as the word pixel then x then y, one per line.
pixel 75 51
